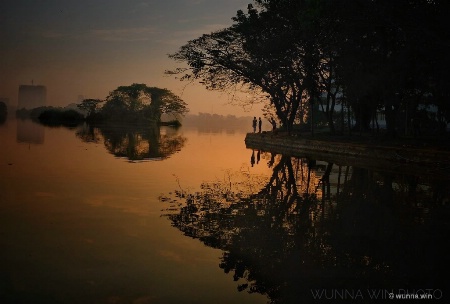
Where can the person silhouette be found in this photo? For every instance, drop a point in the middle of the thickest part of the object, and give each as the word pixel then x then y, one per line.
pixel 252 159
pixel 260 124
pixel 258 156
pixel 254 124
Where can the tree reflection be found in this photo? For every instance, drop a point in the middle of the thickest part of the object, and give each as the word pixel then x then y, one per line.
pixel 135 143
pixel 88 133
pixel 313 225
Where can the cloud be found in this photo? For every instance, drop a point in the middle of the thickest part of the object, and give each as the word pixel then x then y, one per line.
pixel 52 34
pixel 143 4
pixel 180 37
pixel 195 2
pixel 127 34
pixel 123 34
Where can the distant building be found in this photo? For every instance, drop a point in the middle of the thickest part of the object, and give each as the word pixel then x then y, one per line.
pixel 32 96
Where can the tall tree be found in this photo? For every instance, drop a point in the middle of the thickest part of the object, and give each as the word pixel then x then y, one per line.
pixel 380 54
pixel 388 53
pixel 257 53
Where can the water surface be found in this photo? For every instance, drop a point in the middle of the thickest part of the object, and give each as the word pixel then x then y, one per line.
pixel 81 220
pixel 120 214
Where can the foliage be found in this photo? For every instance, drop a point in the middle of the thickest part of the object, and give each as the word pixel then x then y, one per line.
pixel 55 117
pixel 33 113
pixel 254 55
pixel 381 54
pixel 90 106
pixel 139 102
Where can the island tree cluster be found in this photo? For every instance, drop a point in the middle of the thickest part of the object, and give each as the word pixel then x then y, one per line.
pixel 366 56
pixel 136 102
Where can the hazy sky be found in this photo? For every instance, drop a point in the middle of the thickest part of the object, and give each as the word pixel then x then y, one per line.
pixel 91 47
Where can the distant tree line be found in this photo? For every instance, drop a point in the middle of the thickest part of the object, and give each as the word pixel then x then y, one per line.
pixel 365 55
pixel 52 116
pixel 217 121
pixel 136 103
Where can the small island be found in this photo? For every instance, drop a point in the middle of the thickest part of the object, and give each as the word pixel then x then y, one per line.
pixel 136 103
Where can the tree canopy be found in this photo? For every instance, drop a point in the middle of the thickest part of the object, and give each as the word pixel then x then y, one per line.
pixel 379 54
pixel 90 106
pixel 137 102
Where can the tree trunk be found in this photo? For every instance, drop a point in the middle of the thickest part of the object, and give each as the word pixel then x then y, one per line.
pixel 311 101
pixel 390 113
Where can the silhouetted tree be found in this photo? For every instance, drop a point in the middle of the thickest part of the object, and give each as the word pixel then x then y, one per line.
pixel 256 53
pixel 140 102
pixel 58 117
pixel 90 106
pixel 378 55
pixel 389 53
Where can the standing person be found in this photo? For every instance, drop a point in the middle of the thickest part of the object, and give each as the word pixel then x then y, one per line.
pixel 254 124
pixel 260 124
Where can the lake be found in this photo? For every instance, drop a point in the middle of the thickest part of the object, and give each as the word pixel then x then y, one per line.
pixel 122 214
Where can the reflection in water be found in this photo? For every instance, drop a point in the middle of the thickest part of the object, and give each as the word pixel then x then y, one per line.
pixel 258 157
pixel 29 132
pixel 133 142
pixel 78 225
pixel 314 230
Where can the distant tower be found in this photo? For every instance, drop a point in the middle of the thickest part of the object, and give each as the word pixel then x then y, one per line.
pixel 32 96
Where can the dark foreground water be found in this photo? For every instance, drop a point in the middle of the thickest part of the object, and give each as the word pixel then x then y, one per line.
pixel 129 215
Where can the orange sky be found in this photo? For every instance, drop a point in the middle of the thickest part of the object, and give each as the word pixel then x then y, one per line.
pixel 91 47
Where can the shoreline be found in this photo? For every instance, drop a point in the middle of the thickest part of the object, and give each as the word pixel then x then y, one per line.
pixel 398 156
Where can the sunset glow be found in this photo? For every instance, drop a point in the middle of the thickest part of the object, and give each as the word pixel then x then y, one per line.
pixel 89 48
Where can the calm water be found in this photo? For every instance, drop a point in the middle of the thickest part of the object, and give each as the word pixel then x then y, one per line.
pixel 124 215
